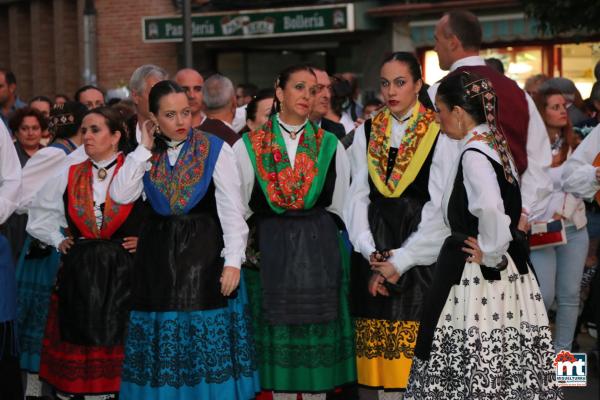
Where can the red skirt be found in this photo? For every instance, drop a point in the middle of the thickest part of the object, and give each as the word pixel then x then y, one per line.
pixel 75 369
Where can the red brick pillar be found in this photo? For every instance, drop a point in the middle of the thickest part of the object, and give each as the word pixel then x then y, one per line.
pixel 19 33
pixel 42 48
pixel 66 46
pixel 5 42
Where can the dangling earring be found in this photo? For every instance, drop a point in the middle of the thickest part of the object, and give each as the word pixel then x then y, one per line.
pixel 460 125
pixel 156 130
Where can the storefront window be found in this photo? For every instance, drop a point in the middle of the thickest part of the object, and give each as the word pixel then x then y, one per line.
pixel 519 63
pixel 578 62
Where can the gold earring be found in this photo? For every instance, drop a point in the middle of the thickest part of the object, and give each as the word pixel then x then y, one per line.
pixel 460 125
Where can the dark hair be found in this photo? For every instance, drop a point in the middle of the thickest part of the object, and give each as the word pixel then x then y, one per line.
pixel 495 63
pixel 284 77
pixel 407 58
pixel 19 115
pixel 341 94
pixel 595 93
pixel 541 101
pixel 160 90
pixel 64 96
pixel 114 122
pixel 252 107
pixel 373 101
pixel 466 27
pixel 452 93
pixel 84 88
pixel 43 99
pixel 73 112
pixel 248 89
pixel 9 76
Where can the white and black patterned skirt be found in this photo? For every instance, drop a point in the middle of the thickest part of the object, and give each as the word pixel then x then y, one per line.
pixel 491 341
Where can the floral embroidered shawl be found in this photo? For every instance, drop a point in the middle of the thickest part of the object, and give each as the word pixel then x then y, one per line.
pixel 284 186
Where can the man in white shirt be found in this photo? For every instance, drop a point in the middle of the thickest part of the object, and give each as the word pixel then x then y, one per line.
pixel 457 42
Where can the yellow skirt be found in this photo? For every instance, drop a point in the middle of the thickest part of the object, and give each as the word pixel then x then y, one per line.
pixel 384 352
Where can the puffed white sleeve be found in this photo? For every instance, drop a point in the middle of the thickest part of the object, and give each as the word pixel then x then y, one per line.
pixel 536 184
pixel 357 203
pixel 485 203
pixel 43 165
pixel 423 246
pixel 10 175
pixel 579 175
pixel 342 181
pixel 246 171
pixel 47 211
pixel 128 185
pixel 228 195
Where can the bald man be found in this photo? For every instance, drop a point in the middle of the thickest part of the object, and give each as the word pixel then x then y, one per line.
pixel 191 81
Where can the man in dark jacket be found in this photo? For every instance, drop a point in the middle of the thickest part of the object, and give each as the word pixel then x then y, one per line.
pixel 323 105
pixel 219 106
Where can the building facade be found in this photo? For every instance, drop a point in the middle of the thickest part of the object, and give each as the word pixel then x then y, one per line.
pixel 52 47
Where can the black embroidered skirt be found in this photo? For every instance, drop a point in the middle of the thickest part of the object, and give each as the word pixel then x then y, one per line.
pixel 391 222
pixel 300 267
pixel 94 287
pixel 178 264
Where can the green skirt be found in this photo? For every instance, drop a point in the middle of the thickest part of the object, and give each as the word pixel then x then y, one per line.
pixel 304 358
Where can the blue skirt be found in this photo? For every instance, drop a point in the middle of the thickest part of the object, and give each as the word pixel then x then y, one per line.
pixel 35 280
pixel 191 355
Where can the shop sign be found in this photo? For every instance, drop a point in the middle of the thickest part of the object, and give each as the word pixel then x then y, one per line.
pixel 253 24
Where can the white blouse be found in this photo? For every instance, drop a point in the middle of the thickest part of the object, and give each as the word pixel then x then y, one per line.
pixel 579 175
pixel 45 164
pixel 485 200
pixel 422 246
pixel 128 186
pixel 10 175
pixel 536 184
pixel 47 211
pixel 342 170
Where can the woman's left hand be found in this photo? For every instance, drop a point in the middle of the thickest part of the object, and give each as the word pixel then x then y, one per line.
pixel 230 279
pixel 130 243
pixel 386 269
pixel 476 255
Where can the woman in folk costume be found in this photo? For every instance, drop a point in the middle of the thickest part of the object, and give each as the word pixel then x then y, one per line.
pixel 189 334
pixel 294 181
pixel 391 158
pixel 484 332
pixel 82 349
pixel 38 261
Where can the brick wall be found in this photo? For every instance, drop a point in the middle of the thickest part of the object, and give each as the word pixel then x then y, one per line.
pixel 42 42
pixel 42 48
pixel 4 43
pixel 119 39
pixel 20 48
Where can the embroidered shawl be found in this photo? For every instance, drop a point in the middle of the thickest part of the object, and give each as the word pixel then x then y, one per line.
pixel 175 190
pixel 418 140
pixel 81 203
pixel 284 186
